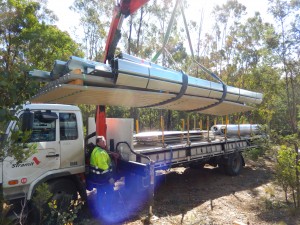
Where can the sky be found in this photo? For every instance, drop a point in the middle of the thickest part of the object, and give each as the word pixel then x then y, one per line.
pixel 68 20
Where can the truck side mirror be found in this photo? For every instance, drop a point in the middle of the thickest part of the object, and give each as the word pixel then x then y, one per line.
pixel 27 120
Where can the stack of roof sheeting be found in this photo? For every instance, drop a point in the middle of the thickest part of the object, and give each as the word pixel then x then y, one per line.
pixel 133 82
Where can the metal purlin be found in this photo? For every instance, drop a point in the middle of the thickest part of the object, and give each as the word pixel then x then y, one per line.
pixel 180 94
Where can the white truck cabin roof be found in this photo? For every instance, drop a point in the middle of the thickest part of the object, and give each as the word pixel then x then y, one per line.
pixel 57 107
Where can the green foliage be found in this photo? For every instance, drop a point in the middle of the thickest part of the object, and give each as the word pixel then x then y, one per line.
pixel 95 17
pixel 286 169
pixel 59 46
pixel 4 209
pixel 254 153
pixel 50 211
pixel 63 217
pixel 27 41
pixel 263 145
pixel 40 199
pixel 17 146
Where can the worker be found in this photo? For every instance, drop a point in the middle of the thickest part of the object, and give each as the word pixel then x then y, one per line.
pixel 101 173
pixel 99 157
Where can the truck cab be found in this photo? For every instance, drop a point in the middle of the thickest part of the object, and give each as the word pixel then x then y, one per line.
pixel 57 132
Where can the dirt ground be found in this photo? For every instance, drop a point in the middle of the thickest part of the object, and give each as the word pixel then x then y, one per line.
pixel 207 196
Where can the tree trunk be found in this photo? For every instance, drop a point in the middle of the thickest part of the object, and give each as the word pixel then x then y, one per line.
pixel 134 113
pixel 169 120
pixel 294 198
pixel 139 30
pixel 198 44
pixel 129 36
pixel 285 194
pixel 297 177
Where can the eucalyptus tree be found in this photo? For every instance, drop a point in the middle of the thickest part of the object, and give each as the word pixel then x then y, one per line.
pixel 286 14
pixel 27 42
pixel 227 17
pixel 288 50
pixel 15 22
pixel 95 18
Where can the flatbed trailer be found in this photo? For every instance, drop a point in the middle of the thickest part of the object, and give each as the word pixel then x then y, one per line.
pixel 187 148
pixel 220 151
pixel 145 161
pixel 183 153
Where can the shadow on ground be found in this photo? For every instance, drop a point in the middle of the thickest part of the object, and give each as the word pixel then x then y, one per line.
pixel 182 189
pixel 190 189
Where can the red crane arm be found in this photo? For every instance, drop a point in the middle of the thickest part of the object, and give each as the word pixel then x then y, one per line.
pixel 128 7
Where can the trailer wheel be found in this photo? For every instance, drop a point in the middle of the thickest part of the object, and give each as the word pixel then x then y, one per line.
pixel 234 164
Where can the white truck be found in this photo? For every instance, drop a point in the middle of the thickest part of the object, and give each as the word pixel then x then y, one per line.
pixel 60 160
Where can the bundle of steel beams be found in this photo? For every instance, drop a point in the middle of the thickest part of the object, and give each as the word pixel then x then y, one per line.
pixel 235 130
pixel 133 82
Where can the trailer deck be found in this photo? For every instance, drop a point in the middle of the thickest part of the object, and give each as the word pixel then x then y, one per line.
pixel 184 152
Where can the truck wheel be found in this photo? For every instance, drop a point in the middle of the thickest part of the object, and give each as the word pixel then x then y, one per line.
pixel 234 164
pixel 64 191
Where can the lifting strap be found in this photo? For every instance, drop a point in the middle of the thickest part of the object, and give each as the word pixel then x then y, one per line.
pixel 182 91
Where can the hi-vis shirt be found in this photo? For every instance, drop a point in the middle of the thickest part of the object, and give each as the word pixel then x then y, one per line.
pixel 100 158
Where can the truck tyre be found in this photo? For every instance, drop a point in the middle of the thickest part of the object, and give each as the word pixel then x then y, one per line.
pixel 63 190
pixel 234 164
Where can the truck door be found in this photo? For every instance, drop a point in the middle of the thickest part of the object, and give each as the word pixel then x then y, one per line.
pixel 47 157
pixel 71 139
